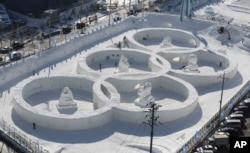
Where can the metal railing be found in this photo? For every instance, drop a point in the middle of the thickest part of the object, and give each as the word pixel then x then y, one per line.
pixel 28 145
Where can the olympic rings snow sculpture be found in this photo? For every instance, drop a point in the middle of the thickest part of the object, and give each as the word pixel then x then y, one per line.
pixel 113 93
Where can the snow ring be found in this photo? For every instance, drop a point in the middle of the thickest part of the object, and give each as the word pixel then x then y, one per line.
pixel 211 67
pixel 105 63
pixel 47 116
pixel 150 38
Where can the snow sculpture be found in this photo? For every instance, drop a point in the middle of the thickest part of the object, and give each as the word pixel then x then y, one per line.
pixel 192 63
pixel 66 99
pixel 168 25
pixel 192 42
pixel 144 93
pixel 166 42
pixel 123 64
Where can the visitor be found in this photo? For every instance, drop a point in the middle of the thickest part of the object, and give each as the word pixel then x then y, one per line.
pixel 124 38
pixel 34 125
pixel 125 42
pixel 90 20
pixel 100 67
pixel 96 18
pixel 119 45
pixel 115 64
pixel 183 67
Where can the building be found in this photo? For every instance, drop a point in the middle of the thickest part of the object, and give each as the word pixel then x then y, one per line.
pixel 35 7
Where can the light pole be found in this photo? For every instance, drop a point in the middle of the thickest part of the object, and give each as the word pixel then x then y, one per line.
pixel 49 28
pixel 1 41
pixel 109 11
pixel 129 5
pixel 152 121
pixel 152 127
pixel 221 96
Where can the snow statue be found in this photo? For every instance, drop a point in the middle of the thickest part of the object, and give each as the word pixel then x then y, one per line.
pixel 166 42
pixel 223 30
pixel 168 25
pixel 66 99
pixel 192 63
pixel 192 42
pixel 123 64
pixel 144 93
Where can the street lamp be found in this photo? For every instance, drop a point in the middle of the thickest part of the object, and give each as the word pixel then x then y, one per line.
pixel 109 11
pixel 49 30
pixel 222 89
pixel 1 41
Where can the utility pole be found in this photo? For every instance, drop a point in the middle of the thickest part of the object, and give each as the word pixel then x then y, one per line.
pixel 1 41
pixel 109 10
pixel 49 28
pixel 129 5
pixel 221 96
pixel 152 120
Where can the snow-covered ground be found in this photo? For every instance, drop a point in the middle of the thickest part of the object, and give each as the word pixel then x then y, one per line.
pixel 122 137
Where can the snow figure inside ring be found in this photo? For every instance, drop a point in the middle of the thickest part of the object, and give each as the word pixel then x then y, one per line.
pixel 66 99
pixel 144 93
pixel 192 63
pixel 123 64
pixel 166 42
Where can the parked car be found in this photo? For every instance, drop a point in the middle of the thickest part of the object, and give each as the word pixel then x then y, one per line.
pixel 238 112
pixel 206 148
pixel 231 123
pixel 80 25
pixel 17 45
pixel 51 34
pixel 218 139
pixel 229 130
pixel 5 50
pixel 241 108
pixel 247 101
pixel 66 29
pixel 1 60
pixel 236 116
pixel 242 104
pixel 14 56
pixel 222 133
